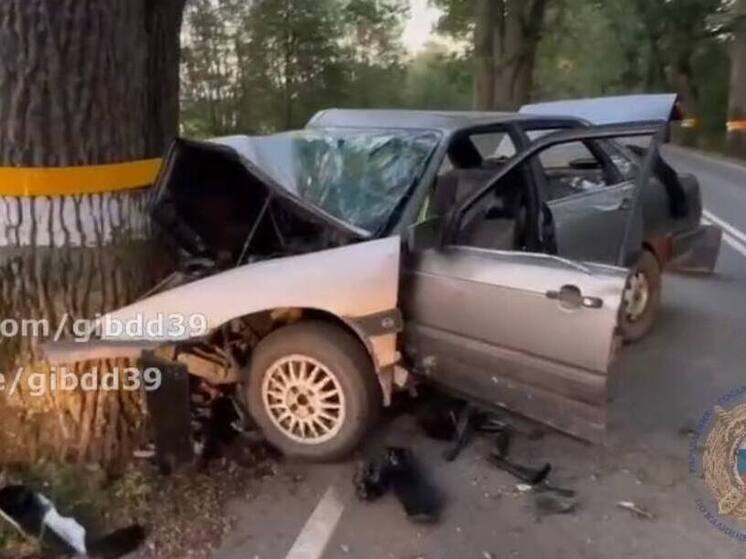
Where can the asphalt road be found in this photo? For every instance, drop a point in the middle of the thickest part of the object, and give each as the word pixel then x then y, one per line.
pixel 660 388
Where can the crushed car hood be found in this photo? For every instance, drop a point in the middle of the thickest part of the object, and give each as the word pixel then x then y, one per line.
pixel 612 110
pixel 214 201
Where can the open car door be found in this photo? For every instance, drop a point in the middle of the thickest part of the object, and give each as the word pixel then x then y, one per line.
pixel 601 219
pixel 533 333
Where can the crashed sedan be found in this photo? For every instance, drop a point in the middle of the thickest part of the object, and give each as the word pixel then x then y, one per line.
pixel 477 251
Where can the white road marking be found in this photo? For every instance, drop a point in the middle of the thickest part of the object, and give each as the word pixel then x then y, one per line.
pixel 312 541
pixel 727 227
pixel 719 160
pixel 708 218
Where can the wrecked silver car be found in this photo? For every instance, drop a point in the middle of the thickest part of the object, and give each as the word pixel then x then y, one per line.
pixel 336 263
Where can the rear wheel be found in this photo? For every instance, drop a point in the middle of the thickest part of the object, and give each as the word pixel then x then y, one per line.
pixel 642 298
pixel 312 390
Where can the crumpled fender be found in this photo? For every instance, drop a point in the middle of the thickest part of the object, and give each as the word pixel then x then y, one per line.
pixel 357 283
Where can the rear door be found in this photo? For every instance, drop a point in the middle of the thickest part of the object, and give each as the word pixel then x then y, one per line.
pixel 589 198
pixel 530 332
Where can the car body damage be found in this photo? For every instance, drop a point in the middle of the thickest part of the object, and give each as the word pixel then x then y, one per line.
pixel 216 204
pixel 515 269
pixel 255 256
pixel 357 284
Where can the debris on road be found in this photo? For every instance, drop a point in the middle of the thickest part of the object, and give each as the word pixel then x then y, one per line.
pixel 546 505
pixel 464 431
pixel 170 414
pixel 636 509
pixel 371 481
pixel 545 486
pixel 527 474
pixel 456 422
pixel 399 471
pixel 36 518
pixel 191 417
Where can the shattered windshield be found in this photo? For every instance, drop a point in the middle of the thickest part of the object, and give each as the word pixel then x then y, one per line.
pixel 358 176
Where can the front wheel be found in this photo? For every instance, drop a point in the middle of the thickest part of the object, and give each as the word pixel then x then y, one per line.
pixel 312 390
pixel 642 298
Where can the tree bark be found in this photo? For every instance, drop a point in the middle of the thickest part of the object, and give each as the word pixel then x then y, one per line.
pixel 485 21
pixel 506 37
pixel 737 94
pixel 81 82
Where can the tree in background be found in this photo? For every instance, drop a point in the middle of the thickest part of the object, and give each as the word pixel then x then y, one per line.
pixel 607 47
pixel 584 33
pixel 438 78
pixel 376 61
pixel 81 83
pixel 505 36
pixel 268 65
pixel 737 93
pixel 265 65
pixel 209 68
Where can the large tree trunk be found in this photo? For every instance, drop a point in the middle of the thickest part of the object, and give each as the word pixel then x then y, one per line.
pixel 737 95
pixel 485 14
pixel 686 86
pixel 506 37
pixel 81 82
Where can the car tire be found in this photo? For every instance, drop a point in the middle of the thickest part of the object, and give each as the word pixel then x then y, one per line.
pixel 312 390
pixel 642 298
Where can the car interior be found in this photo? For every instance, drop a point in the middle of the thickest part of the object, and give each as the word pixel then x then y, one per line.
pixel 498 220
pixel 571 169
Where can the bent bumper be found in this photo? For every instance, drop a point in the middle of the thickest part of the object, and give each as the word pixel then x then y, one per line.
pixel 696 250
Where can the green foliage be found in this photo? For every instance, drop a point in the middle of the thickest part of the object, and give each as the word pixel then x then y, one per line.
pixel 605 47
pixel 266 65
pixel 438 79
pixel 712 67
pixel 255 66
pixel 458 16
pixel 570 54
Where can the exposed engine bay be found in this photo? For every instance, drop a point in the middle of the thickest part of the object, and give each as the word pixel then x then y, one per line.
pixel 222 212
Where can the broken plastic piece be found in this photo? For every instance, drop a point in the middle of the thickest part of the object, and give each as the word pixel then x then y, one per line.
pixel 464 432
pixel 170 413
pixel 545 486
pixel 117 544
pixel 399 471
pixel 546 505
pixel 36 518
pixel 420 499
pixel 439 418
pixel 531 476
pixel 456 422
pixel 33 515
pixel 371 481
pixel 636 509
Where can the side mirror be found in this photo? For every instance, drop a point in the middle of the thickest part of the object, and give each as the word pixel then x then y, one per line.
pixel 425 234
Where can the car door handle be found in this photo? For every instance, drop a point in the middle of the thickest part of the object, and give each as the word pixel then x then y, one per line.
pixel 623 204
pixel 570 297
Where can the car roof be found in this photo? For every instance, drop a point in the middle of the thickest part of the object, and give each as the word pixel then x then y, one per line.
pixel 444 121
